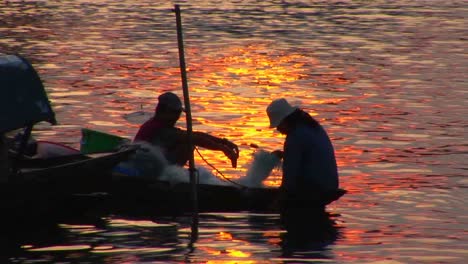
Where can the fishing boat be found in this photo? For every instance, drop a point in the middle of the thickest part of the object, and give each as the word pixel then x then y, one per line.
pixel 23 104
pixel 146 185
pixel 146 197
pixel 139 188
pixel 58 188
pixel 32 184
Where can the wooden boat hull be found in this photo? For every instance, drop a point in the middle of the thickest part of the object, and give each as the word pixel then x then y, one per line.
pixel 136 196
pixel 48 188
pixel 56 182
pixel 73 164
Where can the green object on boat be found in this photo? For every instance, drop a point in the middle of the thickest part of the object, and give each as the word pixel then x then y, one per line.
pixel 93 141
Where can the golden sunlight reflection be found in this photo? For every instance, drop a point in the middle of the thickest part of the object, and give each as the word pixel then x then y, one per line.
pixel 61 248
pixel 136 223
pixel 238 253
pixel 130 250
pixel 253 63
pixel 229 92
pixel 234 262
pixel 225 236
pixel 229 246
pixel 81 229
pixel 225 101
pixel 210 251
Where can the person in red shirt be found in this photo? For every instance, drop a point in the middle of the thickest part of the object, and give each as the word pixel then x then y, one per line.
pixel 160 130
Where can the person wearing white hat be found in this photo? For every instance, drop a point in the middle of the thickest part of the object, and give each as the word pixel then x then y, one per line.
pixel 309 164
pixel 160 130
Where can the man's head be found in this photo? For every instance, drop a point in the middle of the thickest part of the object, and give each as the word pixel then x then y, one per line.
pixel 278 110
pixel 169 107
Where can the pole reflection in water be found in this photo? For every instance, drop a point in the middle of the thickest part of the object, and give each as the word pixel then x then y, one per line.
pixel 241 237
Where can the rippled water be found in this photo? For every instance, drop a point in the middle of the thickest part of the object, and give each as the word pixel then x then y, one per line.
pixel 388 79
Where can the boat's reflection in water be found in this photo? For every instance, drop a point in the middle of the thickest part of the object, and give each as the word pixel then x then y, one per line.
pixel 294 234
pixel 302 234
pixel 308 233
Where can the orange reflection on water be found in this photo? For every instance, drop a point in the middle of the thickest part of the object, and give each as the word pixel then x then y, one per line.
pixel 330 101
pixel 225 236
pixel 210 251
pixel 238 253
pixel 224 101
pixel 235 262
pixel 349 155
pixel 61 248
pixel 262 67
pixel 347 119
pixel 229 92
pixel 231 251
pixel 225 98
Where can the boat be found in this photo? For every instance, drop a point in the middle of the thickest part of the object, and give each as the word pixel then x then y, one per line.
pixel 53 190
pixel 146 185
pixel 40 185
pixel 170 193
pixel 23 104
pixel 134 196
pixel 70 171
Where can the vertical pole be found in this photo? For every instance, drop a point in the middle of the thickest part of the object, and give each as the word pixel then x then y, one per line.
pixel 22 148
pixel 188 115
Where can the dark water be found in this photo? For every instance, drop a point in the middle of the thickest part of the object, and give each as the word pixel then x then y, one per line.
pixel 388 79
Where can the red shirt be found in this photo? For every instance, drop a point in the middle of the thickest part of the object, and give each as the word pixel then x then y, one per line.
pixel 155 133
pixel 148 130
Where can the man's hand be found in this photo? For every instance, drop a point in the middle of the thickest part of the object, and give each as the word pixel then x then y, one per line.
pixel 231 151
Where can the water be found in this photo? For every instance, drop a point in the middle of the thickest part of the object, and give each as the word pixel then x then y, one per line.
pixel 386 78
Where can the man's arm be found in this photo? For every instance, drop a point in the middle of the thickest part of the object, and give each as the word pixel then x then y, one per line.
pixel 208 141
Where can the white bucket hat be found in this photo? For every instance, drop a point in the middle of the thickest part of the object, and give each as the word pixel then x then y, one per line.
pixel 278 110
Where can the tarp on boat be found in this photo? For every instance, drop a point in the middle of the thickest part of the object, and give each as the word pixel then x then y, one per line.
pixel 23 100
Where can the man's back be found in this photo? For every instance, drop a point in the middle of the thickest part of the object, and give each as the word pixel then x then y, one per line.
pixel 309 156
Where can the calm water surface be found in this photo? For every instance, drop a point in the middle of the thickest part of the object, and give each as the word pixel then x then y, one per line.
pixel 388 79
